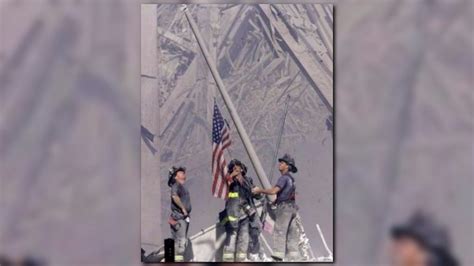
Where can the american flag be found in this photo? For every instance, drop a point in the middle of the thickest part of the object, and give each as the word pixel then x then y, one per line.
pixel 220 142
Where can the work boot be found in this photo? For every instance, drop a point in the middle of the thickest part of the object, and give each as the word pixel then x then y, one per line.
pixel 228 257
pixel 241 257
pixel 264 258
pixel 293 256
pixel 254 257
pixel 178 258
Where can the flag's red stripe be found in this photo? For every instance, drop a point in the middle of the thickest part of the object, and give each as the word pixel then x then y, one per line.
pixel 214 183
pixel 217 170
pixel 222 164
pixel 214 180
pixel 219 165
pixel 213 154
pixel 224 175
pixel 225 138
pixel 217 147
pixel 223 183
pixel 221 189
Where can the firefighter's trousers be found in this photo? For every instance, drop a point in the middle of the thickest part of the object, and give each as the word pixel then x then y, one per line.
pixel 180 235
pixel 254 233
pixel 285 234
pixel 237 240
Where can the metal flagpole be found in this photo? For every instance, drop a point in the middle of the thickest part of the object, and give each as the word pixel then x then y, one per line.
pixel 230 106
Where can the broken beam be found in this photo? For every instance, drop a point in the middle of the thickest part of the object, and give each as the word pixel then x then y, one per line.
pixel 310 69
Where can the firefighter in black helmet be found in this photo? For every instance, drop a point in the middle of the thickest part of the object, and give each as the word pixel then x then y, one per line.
pixel 180 210
pixel 238 208
pixel 285 234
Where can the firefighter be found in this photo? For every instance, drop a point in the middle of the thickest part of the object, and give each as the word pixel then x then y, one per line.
pixel 180 210
pixel 285 234
pixel 421 242
pixel 238 208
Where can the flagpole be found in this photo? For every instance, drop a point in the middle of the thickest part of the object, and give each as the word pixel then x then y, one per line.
pixel 230 106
